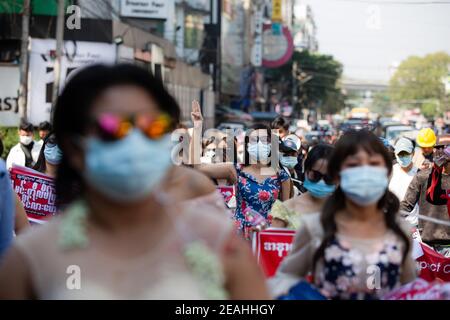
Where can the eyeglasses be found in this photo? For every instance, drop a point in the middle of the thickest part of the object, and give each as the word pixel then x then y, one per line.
pixel 317 176
pixel 112 127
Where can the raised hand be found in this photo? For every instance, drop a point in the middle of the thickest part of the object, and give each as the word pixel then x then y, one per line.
pixel 196 114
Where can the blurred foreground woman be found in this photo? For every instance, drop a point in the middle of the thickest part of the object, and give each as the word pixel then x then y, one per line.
pixel 134 226
pixel 358 247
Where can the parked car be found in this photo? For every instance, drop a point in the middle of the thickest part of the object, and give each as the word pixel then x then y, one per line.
pixel 393 132
pixel 232 125
pixel 357 124
pixel 264 117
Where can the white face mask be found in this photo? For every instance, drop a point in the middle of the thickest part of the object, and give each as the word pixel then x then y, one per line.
pixel 210 154
pixel 25 140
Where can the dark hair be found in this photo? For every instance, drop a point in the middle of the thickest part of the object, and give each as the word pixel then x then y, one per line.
pixel 26 126
pixel 349 144
pixel 256 126
pixel 45 126
pixel 74 105
pixel 225 156
pixel 41 164
pixel 279 123
pixel 1 147
pixel 320 151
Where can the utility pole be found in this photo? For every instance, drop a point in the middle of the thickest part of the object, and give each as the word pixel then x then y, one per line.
pixel 294 101
pixel 23 90
pixel 59 53
pixel 219 51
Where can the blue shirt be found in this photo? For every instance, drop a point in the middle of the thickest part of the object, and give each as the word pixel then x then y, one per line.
pixel 7 209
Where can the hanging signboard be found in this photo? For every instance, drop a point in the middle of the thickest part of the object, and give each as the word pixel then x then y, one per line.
pixel 41 76
pixel 277 48
pixel 149 9
pixel 276 10
pixel 9 96
pixel 258 39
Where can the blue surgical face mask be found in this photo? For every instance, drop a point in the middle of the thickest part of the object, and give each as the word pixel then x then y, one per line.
pixel 259 151
pixel 53 154
pixel 404 161
pixel 129 169
pixel 289 162
pixel 364 185
pixel 319 189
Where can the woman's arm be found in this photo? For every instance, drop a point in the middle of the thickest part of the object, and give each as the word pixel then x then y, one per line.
pixel 278 223
pixel 244 278
pixel 286 190
pixel 280 214
pixel 219 171
pixel 195 143
pixel 296 265
pixel 15 278
pixel 21 218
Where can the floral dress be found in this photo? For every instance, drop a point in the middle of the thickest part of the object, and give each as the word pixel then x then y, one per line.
pixel 351 268
pixel 250 193
pixel 361 271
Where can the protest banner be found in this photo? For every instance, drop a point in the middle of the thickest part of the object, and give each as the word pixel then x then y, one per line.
pixel 433 265
pixel 36 191
pixel 420 289
pixel 271 246
pixel 229 195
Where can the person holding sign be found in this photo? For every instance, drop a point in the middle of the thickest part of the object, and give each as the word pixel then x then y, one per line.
pixel 358 247
pixel 134 227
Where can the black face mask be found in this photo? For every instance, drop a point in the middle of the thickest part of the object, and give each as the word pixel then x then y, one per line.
pixel 429 157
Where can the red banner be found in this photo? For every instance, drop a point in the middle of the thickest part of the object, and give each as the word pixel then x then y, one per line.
pixel 36 191
pixel 433 265
pixel 271 246
pixel 229 195
pixel 420 289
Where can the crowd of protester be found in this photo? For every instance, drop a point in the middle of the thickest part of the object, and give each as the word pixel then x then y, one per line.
pixel 143 221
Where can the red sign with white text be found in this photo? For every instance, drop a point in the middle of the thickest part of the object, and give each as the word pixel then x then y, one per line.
pixel 36 191
pixel 433 265
pixel 271 246
pixel 227 192
pixel 420 289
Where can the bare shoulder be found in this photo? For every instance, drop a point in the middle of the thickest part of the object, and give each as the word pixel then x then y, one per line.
pixel 198 183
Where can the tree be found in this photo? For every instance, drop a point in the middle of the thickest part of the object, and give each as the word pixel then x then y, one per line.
pixel 382 103
pixel 419 80
pixel 317 77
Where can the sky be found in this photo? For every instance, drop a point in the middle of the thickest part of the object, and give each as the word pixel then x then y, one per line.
pixel 370 36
